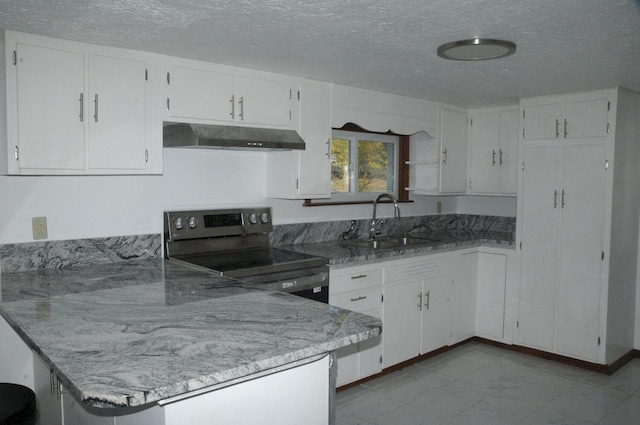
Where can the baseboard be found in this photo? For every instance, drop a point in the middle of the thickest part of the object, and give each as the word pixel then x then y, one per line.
pixel 608 369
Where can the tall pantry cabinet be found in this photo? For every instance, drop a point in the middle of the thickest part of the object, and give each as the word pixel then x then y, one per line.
pixel 577 223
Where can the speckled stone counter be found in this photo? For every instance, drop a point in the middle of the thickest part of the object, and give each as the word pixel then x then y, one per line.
pixel 136 332
pixel 344 253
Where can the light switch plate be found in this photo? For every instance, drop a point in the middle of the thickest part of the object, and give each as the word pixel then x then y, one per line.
pixel 39 227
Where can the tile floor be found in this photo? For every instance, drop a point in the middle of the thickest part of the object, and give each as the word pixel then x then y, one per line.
pixel 484 385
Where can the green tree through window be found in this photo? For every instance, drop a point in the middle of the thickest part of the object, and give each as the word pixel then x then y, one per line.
pixel 362 163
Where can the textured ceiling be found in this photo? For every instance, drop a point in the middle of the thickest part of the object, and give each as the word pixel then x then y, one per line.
pixel 384 45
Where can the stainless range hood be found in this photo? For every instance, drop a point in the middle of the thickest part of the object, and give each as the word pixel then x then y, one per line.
pixel 229 137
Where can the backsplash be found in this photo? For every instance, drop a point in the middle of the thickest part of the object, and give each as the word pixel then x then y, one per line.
pixel 80 252
pixel 57 254
pixel 291 234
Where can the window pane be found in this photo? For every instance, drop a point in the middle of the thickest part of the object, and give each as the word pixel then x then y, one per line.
pixel 375 166
pixel 340 158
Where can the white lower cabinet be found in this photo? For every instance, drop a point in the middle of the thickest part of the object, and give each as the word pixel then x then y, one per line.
pixel 417 307
pixel 491 281
pixel 358 289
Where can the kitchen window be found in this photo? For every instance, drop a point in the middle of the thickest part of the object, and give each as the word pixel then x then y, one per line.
pixel 363 165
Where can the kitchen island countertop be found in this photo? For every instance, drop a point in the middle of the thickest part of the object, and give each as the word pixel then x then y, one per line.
pixel 136 332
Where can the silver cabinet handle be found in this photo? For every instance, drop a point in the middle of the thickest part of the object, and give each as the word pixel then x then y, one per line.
pixel 428 299
pixel 555 199
pixel 444 156
pixel 493 158
pixel 420 301
pixel 360 298
pixel 358 276
pixel 566 129
pixel 233 107
pixel 563 193
pixel 501 162
pixel 241 108
pixel 557 128
pixel 95 101
pixel 329 148
pixel 81 107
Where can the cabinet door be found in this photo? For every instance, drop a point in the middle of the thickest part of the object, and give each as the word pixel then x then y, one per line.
pixel 587 118
pixel 540 246
pixel 582 203
pixel 49 405
pixel 508 152
pixel 402 314
pixel 463 298
pixel 200 94
pixel 51 110
pixel 453 162
pixel 315 128
pixel 491 295
pixel 542 122
pixel 263 102
pixel 484 150
pixel 117 121
pixel 436 313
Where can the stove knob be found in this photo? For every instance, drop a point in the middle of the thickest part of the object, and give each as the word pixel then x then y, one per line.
pixel 178 223
pixel 253 218
pixel 264 218
pixel 193 222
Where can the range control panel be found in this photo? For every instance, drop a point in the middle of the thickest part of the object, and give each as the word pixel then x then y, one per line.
pixel 180 225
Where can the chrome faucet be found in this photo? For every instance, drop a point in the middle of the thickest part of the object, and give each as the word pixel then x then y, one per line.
pixel 396 212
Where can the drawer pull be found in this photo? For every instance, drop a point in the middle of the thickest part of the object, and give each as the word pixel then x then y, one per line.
pixel 360 298
pixel 359 276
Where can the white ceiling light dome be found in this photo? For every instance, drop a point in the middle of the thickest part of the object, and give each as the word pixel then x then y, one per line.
pixel 476 49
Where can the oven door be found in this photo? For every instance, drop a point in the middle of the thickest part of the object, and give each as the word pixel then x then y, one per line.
pixel 311 283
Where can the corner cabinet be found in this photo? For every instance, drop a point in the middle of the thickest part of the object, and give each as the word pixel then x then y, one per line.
pixel 577 226
pixel 439 165
pixel 305 174
pixel 78 109
pixel 493 151
pixel 428 304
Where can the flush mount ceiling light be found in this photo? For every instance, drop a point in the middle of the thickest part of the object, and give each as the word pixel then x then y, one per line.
pixel 476 49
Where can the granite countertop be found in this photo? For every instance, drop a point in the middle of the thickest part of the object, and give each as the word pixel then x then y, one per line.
pixel 136 332
pixel 346 252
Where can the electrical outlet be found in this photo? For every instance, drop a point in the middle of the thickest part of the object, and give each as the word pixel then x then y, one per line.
pixel 39 227
pixel 439 207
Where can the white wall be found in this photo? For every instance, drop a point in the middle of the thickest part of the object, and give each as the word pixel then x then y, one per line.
pixel 97 206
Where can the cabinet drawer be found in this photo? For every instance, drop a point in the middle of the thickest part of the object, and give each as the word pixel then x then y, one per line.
pixel 362 301
pixel 354 278
pixel 424 267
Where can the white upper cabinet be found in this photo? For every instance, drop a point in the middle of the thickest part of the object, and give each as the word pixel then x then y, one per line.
pixel 78 109
pixel 264 101
pixel 50 109
pixel 493 151
pixel 585 115
pixel 438 163
pixel 305 174
pixel 453 159
pixel 200 92
pixel 116 126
